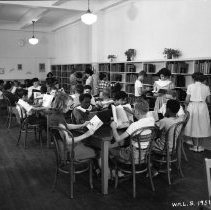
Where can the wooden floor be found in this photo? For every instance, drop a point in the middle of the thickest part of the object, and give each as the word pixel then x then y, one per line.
pixel 26 178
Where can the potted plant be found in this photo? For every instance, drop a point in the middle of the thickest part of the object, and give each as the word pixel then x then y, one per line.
pixel 169 53
pixel 112 57
pixel 130 53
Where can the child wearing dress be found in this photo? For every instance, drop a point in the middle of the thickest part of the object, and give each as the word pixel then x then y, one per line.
pixel 61 105
pixel 139 88
pixel 161 86
pixel 198 126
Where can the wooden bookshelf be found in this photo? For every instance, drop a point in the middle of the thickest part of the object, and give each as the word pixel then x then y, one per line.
pixel 62 73
pixel 127 72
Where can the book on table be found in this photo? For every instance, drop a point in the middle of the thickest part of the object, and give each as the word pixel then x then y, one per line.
pixel 95 123
pixel 122 117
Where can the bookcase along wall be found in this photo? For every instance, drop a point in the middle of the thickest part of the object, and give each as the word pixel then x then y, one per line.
pixel 126 72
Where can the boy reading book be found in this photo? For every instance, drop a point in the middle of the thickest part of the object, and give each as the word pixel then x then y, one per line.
pixel 121 117
pixel 140 111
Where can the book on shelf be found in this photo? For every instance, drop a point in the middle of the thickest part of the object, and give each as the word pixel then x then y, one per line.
pixel 149 68
pixel 94 124
pixel 121 117
pixel 130 68
pixel 131 78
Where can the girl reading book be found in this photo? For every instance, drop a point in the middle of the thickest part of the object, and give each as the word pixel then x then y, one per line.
pixel 161 86
pixel 61 105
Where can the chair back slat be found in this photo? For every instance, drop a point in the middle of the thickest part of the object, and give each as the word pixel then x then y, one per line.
pixel 208 168
pixel 174 129
pixel 141 140
pixel 60 139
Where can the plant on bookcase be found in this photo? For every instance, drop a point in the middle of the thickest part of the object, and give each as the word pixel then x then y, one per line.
pixel 170 53
pixel 130 53
pixel 112 57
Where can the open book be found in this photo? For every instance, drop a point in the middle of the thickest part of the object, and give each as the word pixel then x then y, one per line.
pixel 37 95
pixel 25 105
pixel 47 100
pixel 95 123
pixel 121 117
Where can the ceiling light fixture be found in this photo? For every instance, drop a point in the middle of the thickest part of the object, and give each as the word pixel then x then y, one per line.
pixel 33 40
pixel 88 18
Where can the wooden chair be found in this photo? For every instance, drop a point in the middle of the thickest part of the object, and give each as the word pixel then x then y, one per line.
pixel 167 156
pixel 10 113
pixel 140 164
pixel 65 159
pixel 26 127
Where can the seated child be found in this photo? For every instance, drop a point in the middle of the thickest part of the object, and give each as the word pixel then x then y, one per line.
pixel 105 99
pixel 81 112
pixel 172 108
pixel 88 89
pixel 140 111
pixel 79 89
pixel 62 104
pixel 171 94
pixel 29 111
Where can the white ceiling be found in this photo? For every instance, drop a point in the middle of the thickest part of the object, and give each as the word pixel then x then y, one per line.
pixel 49 15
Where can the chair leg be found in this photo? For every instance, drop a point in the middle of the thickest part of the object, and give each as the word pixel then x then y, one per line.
pixel 90 175
pixel 168 172
pixel 134 181
pixel 19 137
pixel 9 120
pixel 183 152
pixel 150 174
pixel 35 133
pixel 116 176
pixel 55 180
pixel 71 179
pixel 26 134
pixel 40 137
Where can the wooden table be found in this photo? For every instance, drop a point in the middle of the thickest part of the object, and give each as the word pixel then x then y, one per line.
pixel 102 139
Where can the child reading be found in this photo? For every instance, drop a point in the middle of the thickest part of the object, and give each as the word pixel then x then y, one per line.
pixel 172 108
pixel 62 104
pixel 140 111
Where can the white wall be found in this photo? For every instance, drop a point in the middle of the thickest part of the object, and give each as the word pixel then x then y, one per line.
pixel 149 26
pixel 11 54
pixel 72 44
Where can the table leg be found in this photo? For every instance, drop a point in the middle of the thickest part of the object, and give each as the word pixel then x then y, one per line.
pixel 105 167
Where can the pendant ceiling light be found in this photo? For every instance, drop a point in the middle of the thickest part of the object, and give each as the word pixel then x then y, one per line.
pixel 88 18
pixel 33 40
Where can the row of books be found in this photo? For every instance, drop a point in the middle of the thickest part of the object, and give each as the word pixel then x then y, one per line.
pixel 149 68
pixel 104 67
pixel 131 78
pixel 177 67
pixel 203 67
pixel 116 77
pixel 118 67
pixel 130 68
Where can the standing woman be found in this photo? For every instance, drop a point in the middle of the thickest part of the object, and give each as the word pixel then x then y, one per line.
pixel 161 86
pixel 198 126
